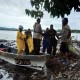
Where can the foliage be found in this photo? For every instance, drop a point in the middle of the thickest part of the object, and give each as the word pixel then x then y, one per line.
pixel 34 13
pixel 54 7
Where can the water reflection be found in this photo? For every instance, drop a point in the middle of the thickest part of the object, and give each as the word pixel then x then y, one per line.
pixel 4 75
pixel 11 72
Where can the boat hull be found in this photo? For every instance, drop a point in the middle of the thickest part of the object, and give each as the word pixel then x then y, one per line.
pixel 36 61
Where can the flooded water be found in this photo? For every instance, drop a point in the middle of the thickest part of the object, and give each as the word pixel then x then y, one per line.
pixel 11 35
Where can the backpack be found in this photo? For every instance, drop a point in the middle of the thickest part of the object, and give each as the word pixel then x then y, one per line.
pixel 69 34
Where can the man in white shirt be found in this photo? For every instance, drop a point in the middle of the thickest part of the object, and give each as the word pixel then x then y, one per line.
pixel 37 36
pixel 65 35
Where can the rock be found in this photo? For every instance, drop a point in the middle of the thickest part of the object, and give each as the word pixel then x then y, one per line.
pixel 16 77
pixel 35 73
pixel 34 77
pixel 1 76
pixel 51 77
pixel 10 75
pixel 2 61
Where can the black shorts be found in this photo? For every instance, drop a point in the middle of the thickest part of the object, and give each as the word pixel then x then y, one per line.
pixel 64 47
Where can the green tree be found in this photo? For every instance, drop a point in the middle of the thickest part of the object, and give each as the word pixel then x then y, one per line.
pixel 54 7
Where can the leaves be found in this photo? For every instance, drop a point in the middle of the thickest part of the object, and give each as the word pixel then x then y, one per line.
pixel 54 7
pixel 34 13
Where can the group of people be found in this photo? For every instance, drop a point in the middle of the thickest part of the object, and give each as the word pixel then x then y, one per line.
pixel 48 38
pixel 23 41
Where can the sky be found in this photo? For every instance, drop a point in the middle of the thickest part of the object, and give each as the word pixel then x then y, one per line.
pixel 12 14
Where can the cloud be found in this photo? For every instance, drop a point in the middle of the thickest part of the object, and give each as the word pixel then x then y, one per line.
pixel 11 7
pixel 74 20
pixel 12 14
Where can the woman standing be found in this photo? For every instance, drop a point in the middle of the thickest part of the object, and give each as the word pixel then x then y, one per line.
pixel 20 40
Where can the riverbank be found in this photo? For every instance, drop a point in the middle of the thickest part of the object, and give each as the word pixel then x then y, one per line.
pixel 59 68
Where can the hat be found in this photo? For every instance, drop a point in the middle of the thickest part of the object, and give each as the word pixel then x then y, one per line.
pixel 38 19
pixel 65 20
pixel 20 27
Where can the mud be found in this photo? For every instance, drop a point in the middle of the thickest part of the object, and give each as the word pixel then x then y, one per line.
pixel 15 72
pixel 58 68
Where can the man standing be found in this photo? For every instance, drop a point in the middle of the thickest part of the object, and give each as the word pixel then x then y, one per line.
pixel 65 35
pixel 46 41
pixel 37 36
pixel 53 41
